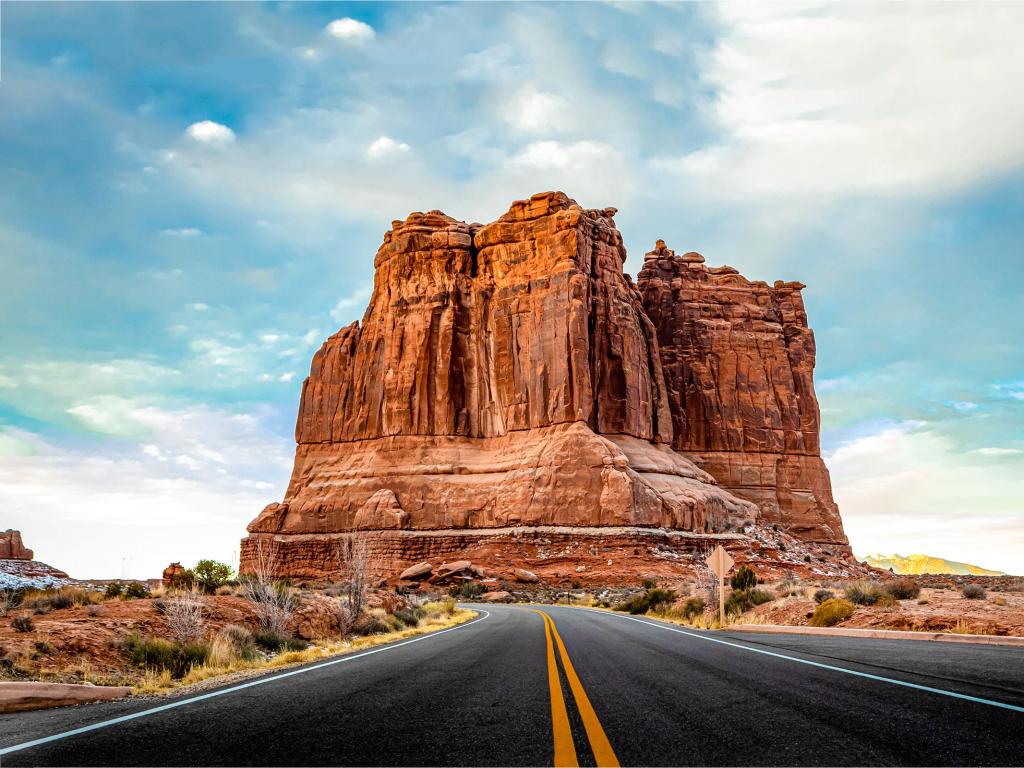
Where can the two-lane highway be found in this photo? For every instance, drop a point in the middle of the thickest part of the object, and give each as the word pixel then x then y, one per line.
pixel 525 685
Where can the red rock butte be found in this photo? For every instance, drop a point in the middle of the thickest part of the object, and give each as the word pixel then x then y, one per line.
pixel 12 547
pixel 512 397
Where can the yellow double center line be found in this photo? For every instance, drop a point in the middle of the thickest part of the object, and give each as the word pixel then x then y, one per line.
pixel 565 750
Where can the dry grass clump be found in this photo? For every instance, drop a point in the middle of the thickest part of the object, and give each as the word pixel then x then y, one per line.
pixel 821 595
pixel 999 600
pixel 974 592
pixel 831 612
pixel 232 644
pixel 868 593
pixel 903 588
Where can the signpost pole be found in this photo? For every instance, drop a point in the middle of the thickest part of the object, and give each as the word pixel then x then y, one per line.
pixel 721 603
pixel 720 562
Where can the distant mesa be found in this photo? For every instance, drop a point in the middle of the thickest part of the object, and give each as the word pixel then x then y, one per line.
pixel 921 564
pixel 512 397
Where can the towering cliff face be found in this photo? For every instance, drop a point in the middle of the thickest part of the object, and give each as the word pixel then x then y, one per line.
pixel 503 375
pixel 738 360
pixel 507 384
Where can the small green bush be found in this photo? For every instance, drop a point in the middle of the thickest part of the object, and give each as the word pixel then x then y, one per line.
pixel 822 595
pixel 974 592
pixel 274 642
pixel 157 653
pixel 694 606
pixel 743 579
pixel 467 590
pixel 113 590
pixel 136 591
pixel 903 589
pixel 651 600
pixel 831 612
pixel 649 584
pixel 210 574
pixel 742 600
pixel 22 624
pixel 410 617
pixel 864 592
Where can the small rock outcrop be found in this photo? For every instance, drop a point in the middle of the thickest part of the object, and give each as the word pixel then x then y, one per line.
pixel 12 547
pixel 510 386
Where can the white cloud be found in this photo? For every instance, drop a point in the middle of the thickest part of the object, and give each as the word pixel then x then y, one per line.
pixel 351 31
pixel 209 132
pixel 270 338
pixel 557 154
pixel 346 309
pixel 842 99
pixel 908 488
pixel 286 376
pixel 197 307
pixel 385 148
pixel 183 232
pixel 963 406
pixel 537 112
pixel 995 451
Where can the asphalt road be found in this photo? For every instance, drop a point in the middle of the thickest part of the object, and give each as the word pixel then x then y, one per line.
pixel 594 688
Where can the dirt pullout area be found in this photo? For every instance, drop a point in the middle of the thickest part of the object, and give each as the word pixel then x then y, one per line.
pixel 933 610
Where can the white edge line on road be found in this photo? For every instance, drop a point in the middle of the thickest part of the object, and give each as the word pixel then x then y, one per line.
pixel 232 689
pixel 894 681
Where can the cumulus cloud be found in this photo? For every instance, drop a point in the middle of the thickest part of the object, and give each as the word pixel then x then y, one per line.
pixel 385 147
pixel 209 132
pixel 537 112
pixel 351 31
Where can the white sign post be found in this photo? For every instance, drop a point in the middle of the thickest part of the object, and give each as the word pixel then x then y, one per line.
pixel 720 562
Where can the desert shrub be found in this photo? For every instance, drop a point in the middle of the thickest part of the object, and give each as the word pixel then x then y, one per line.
pixel 446 607
pixel 789 587
pixel 232 643
pixel 649 584
pixel 136 590
pixel 210 574
pixel 651 600
pixel 410 616
pixel 467 590
pixel 61 600
pixel 974 592
pixel 113 590
pixel 903 589
pixel 999 601
pixel 372 623
pixel 864 592
pixel 225 589
pixel 742 600
pixel 158 654
pixel 743 579
pixel 22 624
pixel 694 606
pixel 275 642
pixel 821 595
pixel 831 612
pixel 186 617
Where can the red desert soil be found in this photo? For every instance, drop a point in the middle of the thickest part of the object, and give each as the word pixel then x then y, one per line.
pixel 944 611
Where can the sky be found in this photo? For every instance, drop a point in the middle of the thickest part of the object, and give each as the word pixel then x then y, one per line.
pixel 192 195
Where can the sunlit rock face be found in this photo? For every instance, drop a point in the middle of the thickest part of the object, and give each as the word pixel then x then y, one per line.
pixel 738 361
pixel 510 377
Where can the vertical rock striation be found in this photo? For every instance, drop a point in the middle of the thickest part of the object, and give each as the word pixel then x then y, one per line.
pixel 738 360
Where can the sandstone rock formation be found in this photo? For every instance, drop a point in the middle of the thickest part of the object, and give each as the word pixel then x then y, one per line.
pixel 12 547
pixel 508 381
pixel 738 360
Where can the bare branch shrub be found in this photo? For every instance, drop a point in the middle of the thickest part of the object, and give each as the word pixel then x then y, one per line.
pixel 354 573
pixel 8 600
pixel 345 618
pixel 273 601
pixel 186 617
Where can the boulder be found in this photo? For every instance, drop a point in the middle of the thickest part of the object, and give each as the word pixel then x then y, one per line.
pixel 496 597
pixel 525 576
pixel 23 696
pixel 416 572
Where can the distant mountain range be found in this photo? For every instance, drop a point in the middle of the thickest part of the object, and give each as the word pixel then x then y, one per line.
pixel 916 564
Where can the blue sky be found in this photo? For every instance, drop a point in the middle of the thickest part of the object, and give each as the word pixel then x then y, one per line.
pixel 192 195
